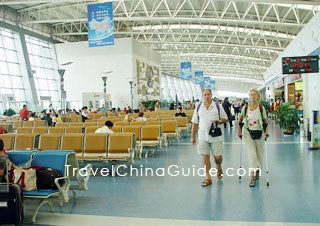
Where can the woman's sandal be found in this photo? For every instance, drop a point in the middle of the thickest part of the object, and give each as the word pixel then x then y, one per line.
pixel 252 182
pixel 206 183
pixel 219 174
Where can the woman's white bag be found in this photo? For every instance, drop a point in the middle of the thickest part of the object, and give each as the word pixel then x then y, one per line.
pixel 27 178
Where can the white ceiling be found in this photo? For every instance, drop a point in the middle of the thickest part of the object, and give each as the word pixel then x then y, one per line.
pixel 232 41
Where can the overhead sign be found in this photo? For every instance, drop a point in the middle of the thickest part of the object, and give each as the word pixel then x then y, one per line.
pixel 100 24
pixel 198 77
pixel 207 83
pixel 212 84
pixel 186 72
pixel 303 64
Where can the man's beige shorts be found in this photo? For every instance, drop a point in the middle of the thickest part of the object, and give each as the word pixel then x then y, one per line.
pixel 206 148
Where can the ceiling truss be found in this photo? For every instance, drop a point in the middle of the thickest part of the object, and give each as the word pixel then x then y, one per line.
pixel 226 39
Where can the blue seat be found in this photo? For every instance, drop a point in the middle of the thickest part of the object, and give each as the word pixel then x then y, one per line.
pixel 55 160
pixel 77 181
pixel 19 157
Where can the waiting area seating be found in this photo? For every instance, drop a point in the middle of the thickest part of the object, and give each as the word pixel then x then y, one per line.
pixel 65 161
pixel 57 161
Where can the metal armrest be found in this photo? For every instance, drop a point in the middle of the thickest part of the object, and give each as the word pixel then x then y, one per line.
pixel 64 188
pixel 88 169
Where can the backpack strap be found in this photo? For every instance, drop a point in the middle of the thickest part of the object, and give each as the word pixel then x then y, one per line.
pixel 217 105
pixel 198 107
pixel 261 110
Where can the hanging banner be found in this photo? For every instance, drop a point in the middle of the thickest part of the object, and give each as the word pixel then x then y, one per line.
pixel 198 77
pixel 100 24
pixel 186 72
pixel 212 84
pixel 206 83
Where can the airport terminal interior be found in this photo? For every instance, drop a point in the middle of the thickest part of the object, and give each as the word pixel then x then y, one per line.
pixel 108 95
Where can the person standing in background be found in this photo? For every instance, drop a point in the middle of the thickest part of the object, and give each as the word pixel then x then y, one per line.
pixel 157 106
pixel 24 113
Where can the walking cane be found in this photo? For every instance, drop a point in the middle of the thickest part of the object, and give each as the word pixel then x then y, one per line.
pixel 241 151
pixel 267 166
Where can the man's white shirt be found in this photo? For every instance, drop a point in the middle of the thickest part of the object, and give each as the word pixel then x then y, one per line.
pixel 104 129
pixel 204 118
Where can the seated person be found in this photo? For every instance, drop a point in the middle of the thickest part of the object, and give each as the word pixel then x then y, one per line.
pixel 47 118
pixel 141 117
pixel 180 113
pixel 10 166
pixel 128 117
pixel 58 118
pixel 32 117
pixel 106 129
pixel 84 114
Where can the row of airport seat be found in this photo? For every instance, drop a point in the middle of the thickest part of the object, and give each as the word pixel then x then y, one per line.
pixel 100 122
pixel 167 126
pixel 91 146
pixel 70 179
pixel 145 136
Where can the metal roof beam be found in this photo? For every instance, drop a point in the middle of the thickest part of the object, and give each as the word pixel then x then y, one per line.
pixel 167 19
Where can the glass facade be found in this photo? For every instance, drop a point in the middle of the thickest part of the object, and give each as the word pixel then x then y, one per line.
pixel 44 66
pixel 12 88
pixel 14 79
pixel 184 89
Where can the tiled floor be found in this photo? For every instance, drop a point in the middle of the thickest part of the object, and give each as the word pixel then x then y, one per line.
pixel 293 194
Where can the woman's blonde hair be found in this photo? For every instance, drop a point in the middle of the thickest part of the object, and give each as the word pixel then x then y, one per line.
pixel 256 91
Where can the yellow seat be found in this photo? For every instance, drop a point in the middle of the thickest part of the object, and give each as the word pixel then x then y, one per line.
pixel 74 118
pixel 150 137
pixel 62 124
pixel 90 123
pixel 121 123
pixel 116 129
pixel 21 130
pixel 8 140
pixel 120 147
pixel 73 129
pixel 7 127
pixel 95 146
pixel 169 130
pixel 182 123
pixel 17 124
pixel 91 129
pixel 56 130
pixel 76 124
pixel 101 124
pixel 133 129
pixel 28 123
pixel 40 123
pixel 40 130
pixel 72 141
pixel 26 141
pixel 49 141
pixel 137 123
pixel 153 122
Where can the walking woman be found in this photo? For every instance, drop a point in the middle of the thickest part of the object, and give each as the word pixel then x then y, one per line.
pixel 253 128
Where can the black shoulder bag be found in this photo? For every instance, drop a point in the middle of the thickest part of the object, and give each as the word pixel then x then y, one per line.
pixel 214 130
